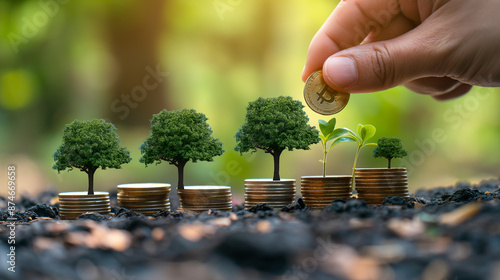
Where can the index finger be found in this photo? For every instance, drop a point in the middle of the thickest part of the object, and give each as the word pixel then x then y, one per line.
pixel 349 23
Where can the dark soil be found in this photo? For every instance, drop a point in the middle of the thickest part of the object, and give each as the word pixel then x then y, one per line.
pixel 442 233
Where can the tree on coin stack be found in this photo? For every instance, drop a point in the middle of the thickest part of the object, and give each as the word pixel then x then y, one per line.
pixel 389 148
pixel 88 145
pixel 178 137
pixel 320 191
pixel 376 184
pixel 273 125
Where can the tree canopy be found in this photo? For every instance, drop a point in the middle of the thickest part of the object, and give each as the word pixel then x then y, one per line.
pixel 273 125
pixel 178 137
pixel 88 145
pixel 389 148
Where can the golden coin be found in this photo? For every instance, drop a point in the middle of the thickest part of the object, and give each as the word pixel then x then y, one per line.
pixel 143 186
pixel 158 208
pixel 83 204
pixel 105 211
pixel 64 195
pixel 379 170
pixel 64 211
pixel 321 98
pixel 130 206
pixel 205 189
pixel 142 197
pixel 324 197
pixel 201 210
pixel 142 201
pixel 64 206
pixel 215 206
pixel 205 196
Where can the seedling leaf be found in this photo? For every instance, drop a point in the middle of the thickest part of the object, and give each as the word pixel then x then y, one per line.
pixel 337 133
pixel 368 131
pixel 341 140
pixel 323 127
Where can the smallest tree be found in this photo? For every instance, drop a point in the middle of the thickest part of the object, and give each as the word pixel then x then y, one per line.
pixel 88 145
pixel 178 137
pixel 389 148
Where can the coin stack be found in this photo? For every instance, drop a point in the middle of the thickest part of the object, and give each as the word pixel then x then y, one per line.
pixel 375 184
pixel 321 98
pixel 203 198
pixel 145 198
pixel 319 191
pixel 73 204
pixel 276 194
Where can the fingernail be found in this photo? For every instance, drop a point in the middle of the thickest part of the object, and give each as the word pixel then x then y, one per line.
pixel 341 71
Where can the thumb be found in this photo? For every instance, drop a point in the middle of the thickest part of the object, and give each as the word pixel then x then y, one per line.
pixel 381 65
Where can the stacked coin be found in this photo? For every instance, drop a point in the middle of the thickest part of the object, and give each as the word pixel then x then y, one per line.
pixel 321 98
pixel 375 184
pixel 145 198
pixel 73 204
pixel 319 191
pixel 276 194
pixel 203 198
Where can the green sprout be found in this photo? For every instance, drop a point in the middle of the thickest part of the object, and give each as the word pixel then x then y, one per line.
pixel 389 148
pixel 329 133
pixel 88 145
pixel 365 132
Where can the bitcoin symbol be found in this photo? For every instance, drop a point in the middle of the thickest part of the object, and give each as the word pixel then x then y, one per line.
pixel 326 91
pixel 321 98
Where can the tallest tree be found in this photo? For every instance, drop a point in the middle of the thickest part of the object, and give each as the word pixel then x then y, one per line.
pixel 89 145
pixel 273 125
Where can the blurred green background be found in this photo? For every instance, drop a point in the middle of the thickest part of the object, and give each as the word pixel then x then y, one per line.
pixel 126 60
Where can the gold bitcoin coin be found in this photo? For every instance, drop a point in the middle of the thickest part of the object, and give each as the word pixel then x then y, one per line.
pixel 321 98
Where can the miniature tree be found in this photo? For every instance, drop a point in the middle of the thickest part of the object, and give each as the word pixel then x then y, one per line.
pixel 329 133
pixel 273 125
pixel 178 137
pixel 88 145
pixel 389 148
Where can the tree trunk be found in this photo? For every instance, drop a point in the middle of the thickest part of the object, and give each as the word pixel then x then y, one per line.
pixel 90 175
pixel 180 175
pixel 276 156
pixel 389 163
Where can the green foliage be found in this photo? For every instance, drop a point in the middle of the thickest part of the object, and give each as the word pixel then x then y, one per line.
pixel 273 125
pixel 180 136
pixel 365 132
pixel 389 148
pixel 329 133
pixel 88 145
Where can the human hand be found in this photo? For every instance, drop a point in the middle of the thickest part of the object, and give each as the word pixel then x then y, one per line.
pixel 435 47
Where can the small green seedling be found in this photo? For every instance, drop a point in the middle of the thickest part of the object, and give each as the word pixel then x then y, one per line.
pixel 329 133
pixel 88 145
pixel 389 148
pixel 365 132
pixel 178 137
